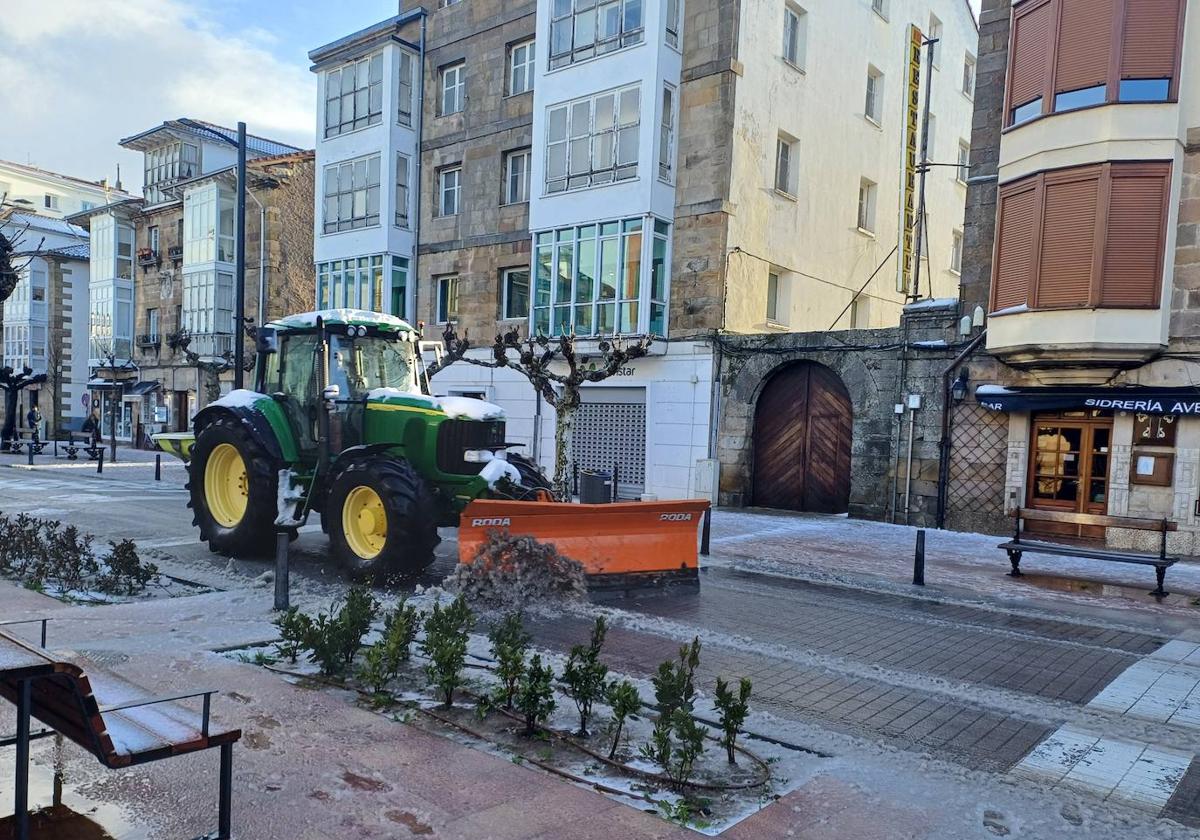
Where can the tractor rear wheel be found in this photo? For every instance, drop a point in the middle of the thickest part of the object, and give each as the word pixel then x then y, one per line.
pixel 382 519
pixel 232 487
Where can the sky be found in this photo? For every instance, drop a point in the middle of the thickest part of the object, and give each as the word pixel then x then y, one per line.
pixel 81 74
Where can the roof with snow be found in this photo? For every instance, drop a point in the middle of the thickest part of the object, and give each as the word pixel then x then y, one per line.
pixel 357 317
pixel 72 252
pixel 190 129
pixel 47 224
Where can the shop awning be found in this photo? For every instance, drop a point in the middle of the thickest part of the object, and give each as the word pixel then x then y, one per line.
pixel 1142 400
pixel 129 387
pixel 140 389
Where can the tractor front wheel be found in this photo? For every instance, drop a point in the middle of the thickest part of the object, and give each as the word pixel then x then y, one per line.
pixel 382 519
pixel 232 484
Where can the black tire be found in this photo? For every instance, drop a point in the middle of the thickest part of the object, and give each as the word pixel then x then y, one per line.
pixel 531 474
pixel 254 534
pixel 411 519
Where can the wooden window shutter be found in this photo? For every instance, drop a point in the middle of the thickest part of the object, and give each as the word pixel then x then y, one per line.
pixel 1032 29
pixel 1068 238
pixel 1133 252
pixel 1084 44
pixel 1015 244
pixel 1150 39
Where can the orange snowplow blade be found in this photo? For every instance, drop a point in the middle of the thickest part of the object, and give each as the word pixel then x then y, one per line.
pixel 623 538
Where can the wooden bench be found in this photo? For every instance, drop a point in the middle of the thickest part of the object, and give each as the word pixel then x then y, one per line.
pixel 104 714
pixel 1160 561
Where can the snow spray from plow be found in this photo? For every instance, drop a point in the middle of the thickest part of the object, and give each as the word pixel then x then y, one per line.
pixel 619 544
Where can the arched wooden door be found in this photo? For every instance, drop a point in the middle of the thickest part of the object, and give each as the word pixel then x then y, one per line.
pixel 802 433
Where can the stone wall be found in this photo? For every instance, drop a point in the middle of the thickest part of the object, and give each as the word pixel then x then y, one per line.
pixel 486 235
pixel 1185 292
pixel 879 368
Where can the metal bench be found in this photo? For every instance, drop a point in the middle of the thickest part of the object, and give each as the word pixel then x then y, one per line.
pixel 1160 561
pixel 104 714
pixel 26 439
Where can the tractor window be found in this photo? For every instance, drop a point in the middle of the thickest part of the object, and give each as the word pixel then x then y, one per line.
pixel 291 369
pixel 361 365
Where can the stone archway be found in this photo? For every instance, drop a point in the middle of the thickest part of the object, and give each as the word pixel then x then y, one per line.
pixel 803 428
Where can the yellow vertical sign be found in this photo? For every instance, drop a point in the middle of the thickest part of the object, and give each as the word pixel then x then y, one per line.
pixel 912 139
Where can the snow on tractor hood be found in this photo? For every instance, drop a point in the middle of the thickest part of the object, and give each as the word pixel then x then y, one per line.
pixel 240 398
pixel 456 408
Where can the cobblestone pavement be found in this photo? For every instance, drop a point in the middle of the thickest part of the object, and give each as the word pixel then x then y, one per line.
pixel 991 679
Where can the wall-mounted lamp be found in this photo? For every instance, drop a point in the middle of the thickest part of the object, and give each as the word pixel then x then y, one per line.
pixel 977 317
pixel 964 325
pixel 958 389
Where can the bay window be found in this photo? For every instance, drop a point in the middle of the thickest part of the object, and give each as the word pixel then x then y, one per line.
pixel 354 95
pixel 583 29
pixel 401 191
pixel 594 140
pixel 666 135
pixel 593 279
pixel 356 283
pixel 166 164
pixel 351 194
pixel 404 93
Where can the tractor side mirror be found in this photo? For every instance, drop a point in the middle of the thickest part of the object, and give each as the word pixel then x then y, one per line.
pixel 268 341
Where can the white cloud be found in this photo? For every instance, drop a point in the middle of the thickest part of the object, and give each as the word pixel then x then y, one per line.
pixel 78 75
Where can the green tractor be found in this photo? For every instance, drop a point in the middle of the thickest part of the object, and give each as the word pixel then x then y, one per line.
pixel 337 424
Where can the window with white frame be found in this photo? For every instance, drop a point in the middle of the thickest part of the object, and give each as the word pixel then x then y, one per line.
pixel 444 3
pixel 354 95
pixel 594 140
pixel 515 282
pixel 516 176
pixel 166 164
pixel 454 88
pixel 935 32
pixel 50 200
pixel 152 239
pixel 356 283
pixel 785 164
pixel 401 191
pixel 666 135
pixel 208 306
pixel 866 205
pixel 449 191
pixel 795 35
pixel 520 68
pixel 124 252
pixel 964 162
pixel 593 279
pixel 968 80
pixel 351 194
pixel 447 299
pixel 672 23
pixel 880 7
pixel 773 296
pixel 873 107
pixel 404 93
pixel 583 29
pixel 956 249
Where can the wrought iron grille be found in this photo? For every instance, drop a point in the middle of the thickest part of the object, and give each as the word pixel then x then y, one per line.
pixel 979 450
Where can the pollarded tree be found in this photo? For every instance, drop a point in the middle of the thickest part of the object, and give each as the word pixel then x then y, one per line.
pixel 556 370
pixel 11 237
pixel 12 383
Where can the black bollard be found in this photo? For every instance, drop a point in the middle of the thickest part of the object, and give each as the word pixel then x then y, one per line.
pixel 29 452
pixel 157 466
pixel 615 476
pixel 919 559
pixel 705 531
pixel 282 540
pixel 100 463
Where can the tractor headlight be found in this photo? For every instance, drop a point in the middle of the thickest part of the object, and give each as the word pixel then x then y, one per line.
pixel 478 456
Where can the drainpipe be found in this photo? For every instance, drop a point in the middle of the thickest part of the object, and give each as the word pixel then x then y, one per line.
pixel 944 442
pixel 414 273
pixel 900 398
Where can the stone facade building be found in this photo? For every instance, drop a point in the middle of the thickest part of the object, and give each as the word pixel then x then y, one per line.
pixel 1080 243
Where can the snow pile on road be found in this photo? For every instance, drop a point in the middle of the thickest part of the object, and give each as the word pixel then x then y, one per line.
pixel 511 572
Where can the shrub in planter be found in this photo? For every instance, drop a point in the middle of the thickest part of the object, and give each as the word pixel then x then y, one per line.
pixel 124 572
pixel 445 645
pixel 509 644
pixel 334 639
pixel 674 682
pixel 535 695
pixel 295 629
pixel 383 660
pixel 584 675
pixel 676 744
pixel 733 709
pixel 511 572
pixel 69 555
pixel 625 701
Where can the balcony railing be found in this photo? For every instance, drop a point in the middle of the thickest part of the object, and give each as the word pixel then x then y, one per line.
pixel 175 253
pixel 147 257
pixel 214 345
pixel 149 340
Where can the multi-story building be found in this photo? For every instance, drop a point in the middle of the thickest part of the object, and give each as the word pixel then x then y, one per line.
pixel 164 267
pixel 45 320
pixel 643 169
pixel 1081 243
pixel 50 194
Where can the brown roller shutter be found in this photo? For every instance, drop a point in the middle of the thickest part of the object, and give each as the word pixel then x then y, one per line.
pixel 1030 48
pixel 1068 242
pixel 1133 253
pixel 1014 249
pixel 1150 39
pixel 1084 44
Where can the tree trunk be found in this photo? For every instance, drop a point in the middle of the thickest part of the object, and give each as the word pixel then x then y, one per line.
pixel 10 415
pixel 563 421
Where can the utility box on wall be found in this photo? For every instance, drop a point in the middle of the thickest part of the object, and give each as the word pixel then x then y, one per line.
pixel 708 471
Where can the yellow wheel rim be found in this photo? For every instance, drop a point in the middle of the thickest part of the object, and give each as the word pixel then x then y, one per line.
pixel 226 485
pixel 364 522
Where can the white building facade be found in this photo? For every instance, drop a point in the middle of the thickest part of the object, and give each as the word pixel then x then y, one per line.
pixel 51 194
